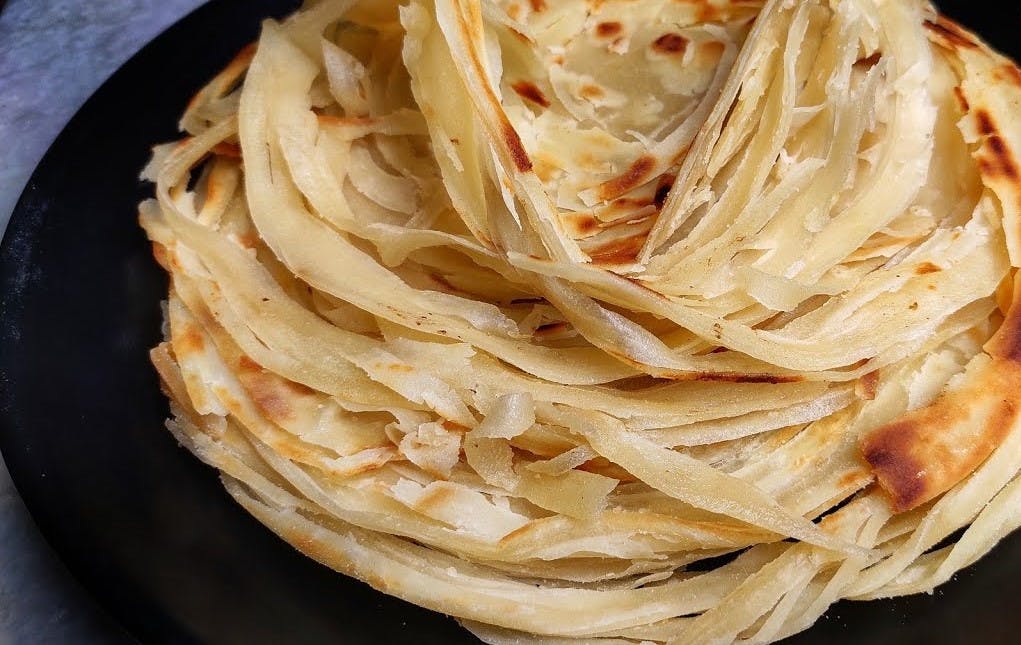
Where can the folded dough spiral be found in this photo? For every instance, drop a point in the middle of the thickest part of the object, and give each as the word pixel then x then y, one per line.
pixel 614 322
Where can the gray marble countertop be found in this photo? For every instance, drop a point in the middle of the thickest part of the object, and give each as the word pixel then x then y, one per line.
pixel 53 55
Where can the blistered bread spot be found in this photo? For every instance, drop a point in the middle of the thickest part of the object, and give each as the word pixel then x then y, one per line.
pixel 996 159
pixel 890 453
pixel 609 29
pixel 867 386
pixel 666 182
pixel 272 394
pixel 671 44
pixel 546 168
pixel 985 123
pixel 517 150
pixel 530 92
pixel 962 100
pixel 869 61
pixel 247 365
pixel 248 239
pixel 1008 73
pixel 927 267
pixel 269 400
pixel 580 225
pixel 619 251
pixel 1003 161
pixel 951 33
pixel 636 175
pixel 188 341
pixel 928 451
pixel 591 92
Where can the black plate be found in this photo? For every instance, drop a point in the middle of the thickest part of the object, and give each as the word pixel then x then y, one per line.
pixel 145 526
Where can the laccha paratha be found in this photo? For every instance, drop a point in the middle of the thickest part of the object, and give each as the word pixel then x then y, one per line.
pixel 526 311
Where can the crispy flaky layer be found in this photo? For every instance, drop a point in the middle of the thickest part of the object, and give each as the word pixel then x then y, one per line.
pixel 670 321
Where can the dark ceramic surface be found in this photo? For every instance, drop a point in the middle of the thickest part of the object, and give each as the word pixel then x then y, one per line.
pixel 144 525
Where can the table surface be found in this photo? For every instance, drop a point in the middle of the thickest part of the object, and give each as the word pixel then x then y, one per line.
pixel 53 55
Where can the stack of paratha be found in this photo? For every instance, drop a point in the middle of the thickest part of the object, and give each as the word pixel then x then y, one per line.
pixel 671 321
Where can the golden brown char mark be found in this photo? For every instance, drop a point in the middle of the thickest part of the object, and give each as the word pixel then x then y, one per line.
pixel 636 175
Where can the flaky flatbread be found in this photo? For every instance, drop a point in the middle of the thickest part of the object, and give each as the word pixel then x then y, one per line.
pixel 605 321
